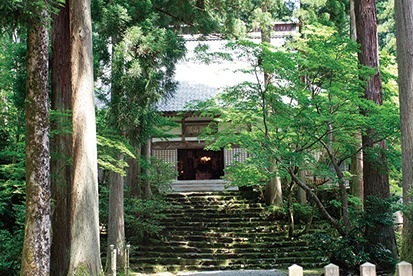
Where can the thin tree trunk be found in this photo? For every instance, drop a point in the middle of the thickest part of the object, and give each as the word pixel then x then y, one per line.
pixel 273 189
pixel 116 222
pixel 313 197
pixel 375 171
pixel 404 24
pixel 37 236
pixel 85 253
pixel 291 223
pixel 353 28
pixel 61 144
pixel 301 195
pixel 146 153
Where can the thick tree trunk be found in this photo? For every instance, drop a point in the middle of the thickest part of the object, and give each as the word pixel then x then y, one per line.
pixel 273 192
pixel 61 144
pixel 37 239
pixel 404 24
pixel 133 175
pixel 84 251
pixel 116 223
pixel 375 171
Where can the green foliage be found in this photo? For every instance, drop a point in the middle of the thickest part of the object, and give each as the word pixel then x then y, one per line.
pixel 332 13
pixel 303 212
pixel 12 242
pixel 12 209
pixel 307 119
pixel 147 54
pixel 354 249
pixel 142 217
pixel 109 149
pixel 387 26
pixel 111 146
pixel 246 174
pixel 304 115
pixel 12 171
pixel 161 174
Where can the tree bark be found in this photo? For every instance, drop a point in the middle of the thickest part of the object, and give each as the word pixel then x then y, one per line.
pixel 146 153
pixel 375 171
pixel 61 143
pixel 273 189
pixel 133 175
pixel 301 195
pixel 37 239
pixel 84 251
pixel 116 223
pixel 404 25
pixel 356 165
pixel 353 30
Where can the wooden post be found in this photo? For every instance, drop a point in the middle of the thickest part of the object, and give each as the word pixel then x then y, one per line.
pixel 113 260
pixel 404 269
pixel 127 250
pixel 295 270
pixel 367 269
pixel 331 270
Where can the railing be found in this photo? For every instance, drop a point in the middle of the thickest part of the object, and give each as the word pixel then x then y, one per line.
pixel 367 269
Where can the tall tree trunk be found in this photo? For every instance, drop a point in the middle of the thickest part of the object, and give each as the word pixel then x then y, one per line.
pixel 273 189
pixel 116 223
pixel 61 144
pixel 37 239
pixel 353 25
pixel 375 170
pixel 356 164
pixel 85 253
pixel 404 24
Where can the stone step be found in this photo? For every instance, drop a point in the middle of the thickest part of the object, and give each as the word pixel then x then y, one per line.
pixel 182 217
pixel 225 226
pixel 228 242
pixel 285 261
pixel 210 230
pixel 221 252
pixel 206 212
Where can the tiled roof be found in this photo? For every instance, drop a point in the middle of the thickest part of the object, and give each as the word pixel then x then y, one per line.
pixel 198 81
pixel 186 93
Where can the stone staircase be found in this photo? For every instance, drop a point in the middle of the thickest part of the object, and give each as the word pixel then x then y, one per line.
pixel 222 230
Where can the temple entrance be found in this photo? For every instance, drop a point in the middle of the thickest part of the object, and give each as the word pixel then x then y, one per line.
pixel 199 164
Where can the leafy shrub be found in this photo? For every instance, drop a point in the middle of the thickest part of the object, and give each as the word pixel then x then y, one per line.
pixel 142 218
pixel 12 213
pixel 350 251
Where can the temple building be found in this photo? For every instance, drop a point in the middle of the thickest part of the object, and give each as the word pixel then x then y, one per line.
pixel 200 81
